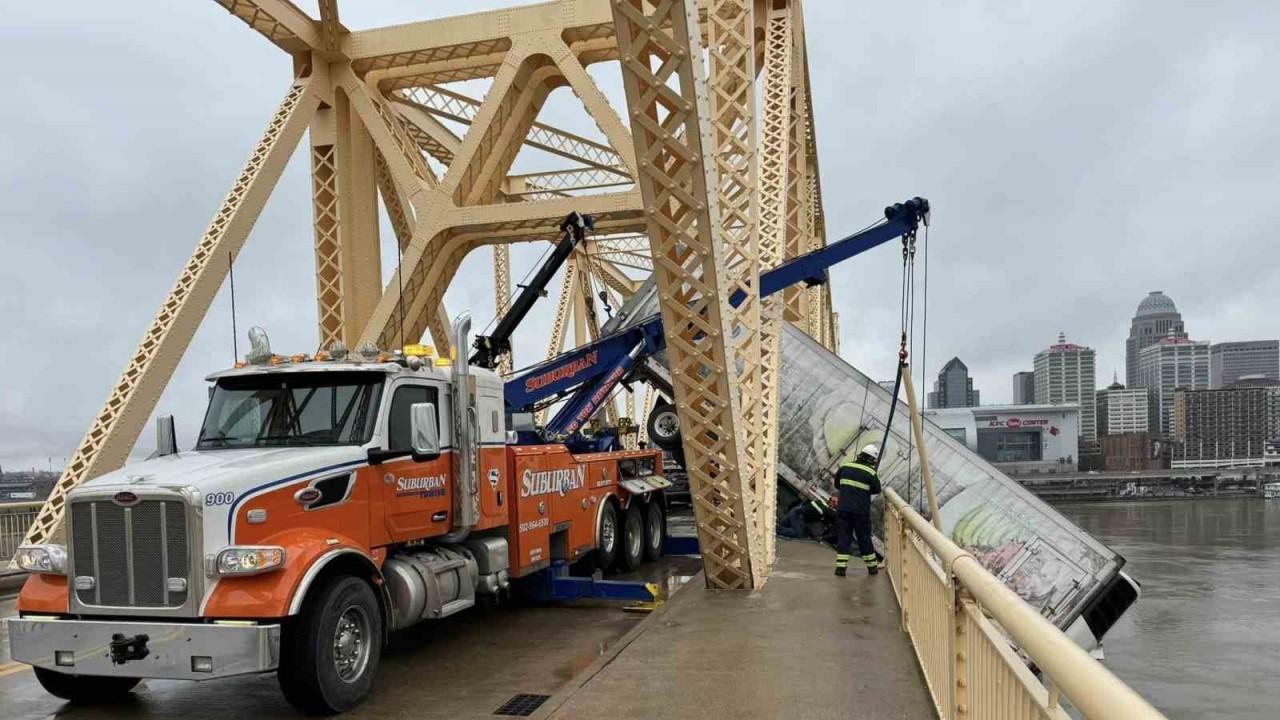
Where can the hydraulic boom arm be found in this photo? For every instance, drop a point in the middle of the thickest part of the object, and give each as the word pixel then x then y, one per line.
pixel 491 348
pixel 591 372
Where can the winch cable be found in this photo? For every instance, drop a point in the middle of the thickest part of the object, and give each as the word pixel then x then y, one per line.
pixel 906 316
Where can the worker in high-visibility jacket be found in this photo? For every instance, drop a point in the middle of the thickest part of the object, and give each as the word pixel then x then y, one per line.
pixel 858 481
pixel 795 524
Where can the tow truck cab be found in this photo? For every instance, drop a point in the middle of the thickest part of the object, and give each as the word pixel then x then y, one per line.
pixel 327 501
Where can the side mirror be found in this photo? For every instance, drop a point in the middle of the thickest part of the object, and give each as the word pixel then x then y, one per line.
pixel 424 431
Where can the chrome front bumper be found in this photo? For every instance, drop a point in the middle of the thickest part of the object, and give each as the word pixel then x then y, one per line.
pixel 173 649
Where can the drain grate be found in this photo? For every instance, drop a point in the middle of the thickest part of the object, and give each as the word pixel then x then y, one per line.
pixel 522 705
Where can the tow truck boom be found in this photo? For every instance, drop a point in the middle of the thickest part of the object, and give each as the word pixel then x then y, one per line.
pixel 590 373
pixel 491 348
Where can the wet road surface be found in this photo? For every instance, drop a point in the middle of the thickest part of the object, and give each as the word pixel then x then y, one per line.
pixel 465 666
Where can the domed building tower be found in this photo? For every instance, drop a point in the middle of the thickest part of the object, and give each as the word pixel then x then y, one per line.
pixel 1157 318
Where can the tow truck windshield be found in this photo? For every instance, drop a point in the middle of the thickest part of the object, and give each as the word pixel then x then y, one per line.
pixel 291 409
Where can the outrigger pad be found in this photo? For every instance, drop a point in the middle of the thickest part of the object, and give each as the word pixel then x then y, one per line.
pixel 681 545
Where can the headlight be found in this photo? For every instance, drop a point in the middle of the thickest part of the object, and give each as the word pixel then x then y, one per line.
pixel 248 560
pixel 47 559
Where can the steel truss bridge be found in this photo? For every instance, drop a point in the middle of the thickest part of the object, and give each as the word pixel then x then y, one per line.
pixel 696 183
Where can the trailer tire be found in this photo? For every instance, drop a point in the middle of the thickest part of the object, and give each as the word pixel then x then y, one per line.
pixel 84 689
pixel 608 535
pixel 655 529
pixel 664 427
pixel 631 552
pixel 342 615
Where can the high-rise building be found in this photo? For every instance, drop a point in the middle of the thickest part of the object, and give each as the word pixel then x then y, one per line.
pixel 1157 317
pixel 1122 410
pixel 954 387
pixel 1024 388
pixel 1171 364
pixel 1229 362
pixel 1065 374
pixel 1226 426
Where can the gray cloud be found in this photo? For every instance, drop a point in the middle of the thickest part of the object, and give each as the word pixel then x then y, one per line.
pixel 1076 159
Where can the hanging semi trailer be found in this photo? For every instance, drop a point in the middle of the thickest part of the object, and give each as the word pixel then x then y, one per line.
pixel 332 499
pixel 827 409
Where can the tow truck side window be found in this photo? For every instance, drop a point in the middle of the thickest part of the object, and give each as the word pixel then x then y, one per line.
pixel 405 397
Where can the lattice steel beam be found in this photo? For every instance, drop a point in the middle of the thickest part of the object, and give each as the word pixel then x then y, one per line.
pixel 817 219
pixel 562 180
pixel 623 251
pixel 116 427
pixel 797 202
pixel 324 201
pixel 462 109
pixel 432 137
pixel 280 21
pixel 502 293
pixel 776 122
pixel 643 420
pixel 635 261
pixel 666 93
pixel 731 85
pixel 468 35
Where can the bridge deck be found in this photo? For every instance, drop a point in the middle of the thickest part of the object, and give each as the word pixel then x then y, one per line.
pixel 808 645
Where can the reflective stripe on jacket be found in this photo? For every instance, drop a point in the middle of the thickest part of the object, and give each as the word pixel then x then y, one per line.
pixel 858 482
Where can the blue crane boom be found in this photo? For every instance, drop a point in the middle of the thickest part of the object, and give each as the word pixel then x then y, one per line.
pixel 589 374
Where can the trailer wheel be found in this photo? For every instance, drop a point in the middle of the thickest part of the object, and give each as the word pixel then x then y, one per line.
pixel 84 689
pixel 330 652
pixel 608 536
pixel 631 553
pixel 664 426
pixel 655 529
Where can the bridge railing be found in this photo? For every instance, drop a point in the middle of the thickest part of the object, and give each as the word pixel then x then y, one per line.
pixel 964 624
pixel 15 519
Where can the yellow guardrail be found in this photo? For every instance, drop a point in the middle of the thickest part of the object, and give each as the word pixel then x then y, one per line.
pixel 15 520
pixel 964 624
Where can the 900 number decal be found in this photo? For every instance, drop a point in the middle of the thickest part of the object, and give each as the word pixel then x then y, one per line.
pixel 219 498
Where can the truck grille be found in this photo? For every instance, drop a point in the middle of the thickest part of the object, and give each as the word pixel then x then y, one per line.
pixel 131 553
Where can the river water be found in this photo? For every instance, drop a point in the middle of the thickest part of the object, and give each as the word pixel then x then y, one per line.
pixel 1203 641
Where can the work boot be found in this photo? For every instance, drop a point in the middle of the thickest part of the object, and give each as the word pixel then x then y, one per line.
pixel 873 570
pixel 839 572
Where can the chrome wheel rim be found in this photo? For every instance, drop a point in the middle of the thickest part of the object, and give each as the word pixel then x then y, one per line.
pixel 667 424
pixel 351 644
pixel 608 533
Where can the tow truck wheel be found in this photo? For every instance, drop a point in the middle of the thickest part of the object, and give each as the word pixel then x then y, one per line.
pixel 330 652
pixel 664 426
pixel 84 689
pixel 655 529
pixel 607 537
pixel 632 551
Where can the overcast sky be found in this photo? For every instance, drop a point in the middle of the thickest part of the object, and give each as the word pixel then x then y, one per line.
pixel 1076 158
